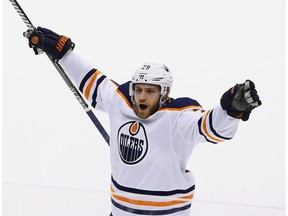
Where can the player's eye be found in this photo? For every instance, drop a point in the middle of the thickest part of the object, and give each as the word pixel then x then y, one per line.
pixel 138 90
pixel 149 91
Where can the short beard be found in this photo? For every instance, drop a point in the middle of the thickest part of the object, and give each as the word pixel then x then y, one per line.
pixel 153 110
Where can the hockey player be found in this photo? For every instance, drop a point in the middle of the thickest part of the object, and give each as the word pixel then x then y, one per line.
pixel 152 135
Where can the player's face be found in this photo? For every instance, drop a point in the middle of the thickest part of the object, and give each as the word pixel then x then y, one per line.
pixel 146 98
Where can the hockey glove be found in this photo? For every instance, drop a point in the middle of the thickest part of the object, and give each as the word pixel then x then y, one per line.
pixel 240 100
pixel 54 45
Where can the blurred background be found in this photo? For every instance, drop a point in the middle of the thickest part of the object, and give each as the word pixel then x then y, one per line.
pixel 54 161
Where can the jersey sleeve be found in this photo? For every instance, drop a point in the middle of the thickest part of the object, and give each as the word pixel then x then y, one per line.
pixel 199 126
pixel 95 86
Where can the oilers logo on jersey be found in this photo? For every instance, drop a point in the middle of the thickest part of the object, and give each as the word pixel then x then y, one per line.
pixel 132 142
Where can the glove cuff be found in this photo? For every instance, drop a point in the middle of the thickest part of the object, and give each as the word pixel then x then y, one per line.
pixel 60 48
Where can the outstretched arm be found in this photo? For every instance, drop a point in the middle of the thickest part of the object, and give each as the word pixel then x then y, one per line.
pixel 92 83
pixel 220 123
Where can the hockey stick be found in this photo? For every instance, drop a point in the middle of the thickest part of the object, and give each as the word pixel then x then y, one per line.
pixel 66 78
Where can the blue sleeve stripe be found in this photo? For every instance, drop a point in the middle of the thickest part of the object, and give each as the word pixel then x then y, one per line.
pixel 87 77
pixel 214 131
pixel 94 96
pixel 201 133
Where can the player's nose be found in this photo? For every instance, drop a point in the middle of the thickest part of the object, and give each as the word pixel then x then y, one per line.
pixel 143 96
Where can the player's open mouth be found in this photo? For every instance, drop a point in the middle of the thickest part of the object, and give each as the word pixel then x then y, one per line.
pixel 143 106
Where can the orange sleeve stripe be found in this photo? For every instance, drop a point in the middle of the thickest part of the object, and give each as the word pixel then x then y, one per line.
pixel 182 108
pixel 152 203
pixel 90 84
pixel 206 130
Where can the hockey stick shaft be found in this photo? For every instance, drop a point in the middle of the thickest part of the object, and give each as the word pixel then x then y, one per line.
pixel 65 77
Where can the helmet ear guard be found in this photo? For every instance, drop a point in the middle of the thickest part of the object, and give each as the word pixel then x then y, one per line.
pixel 155 74
pixel 165 94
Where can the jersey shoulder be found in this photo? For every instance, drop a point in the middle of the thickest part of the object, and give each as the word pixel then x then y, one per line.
pixel 182 103
pixel 123 90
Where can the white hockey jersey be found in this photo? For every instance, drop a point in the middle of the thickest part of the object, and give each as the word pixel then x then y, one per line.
pixel 149 156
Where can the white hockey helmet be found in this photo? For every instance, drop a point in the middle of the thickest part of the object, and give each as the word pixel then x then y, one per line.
pixel 156 74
